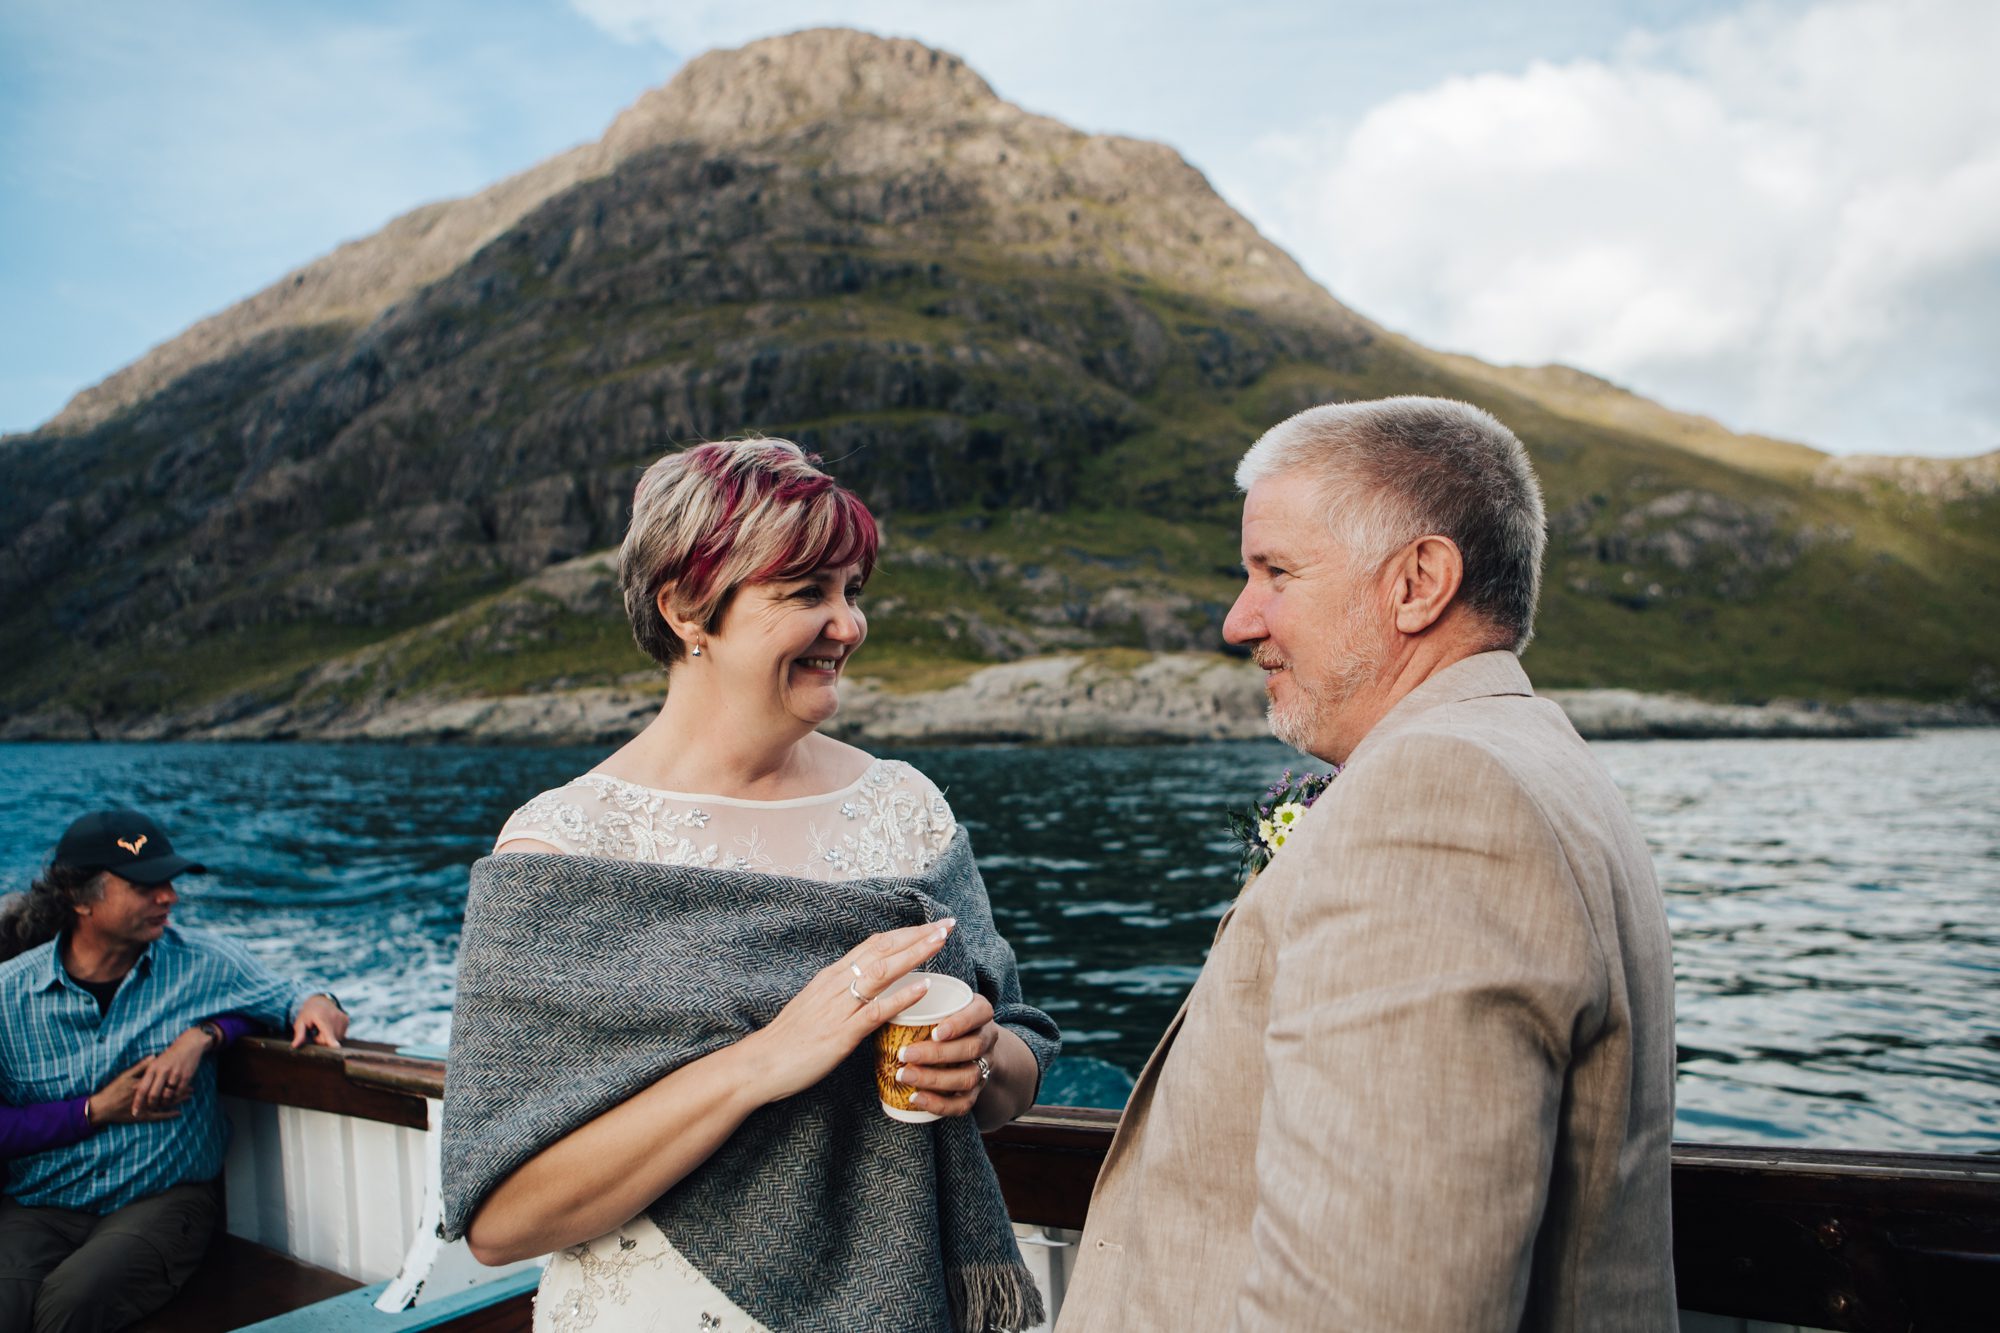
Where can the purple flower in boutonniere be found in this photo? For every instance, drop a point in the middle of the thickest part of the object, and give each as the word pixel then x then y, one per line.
pixel 1267 825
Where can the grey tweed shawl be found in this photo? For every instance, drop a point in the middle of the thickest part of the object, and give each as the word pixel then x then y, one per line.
pixel 582 980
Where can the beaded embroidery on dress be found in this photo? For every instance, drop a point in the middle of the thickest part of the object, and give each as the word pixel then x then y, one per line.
pixel 889 821
pixel 639 1282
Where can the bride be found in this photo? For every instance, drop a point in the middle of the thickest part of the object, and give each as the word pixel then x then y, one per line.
pixel 662 1067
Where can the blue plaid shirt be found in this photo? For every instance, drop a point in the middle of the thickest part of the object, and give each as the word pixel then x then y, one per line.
pixel 54 1045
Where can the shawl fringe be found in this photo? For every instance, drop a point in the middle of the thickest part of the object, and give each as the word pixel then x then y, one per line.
pixel 995 1296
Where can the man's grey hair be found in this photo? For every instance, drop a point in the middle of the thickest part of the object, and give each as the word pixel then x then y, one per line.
pixel 1387 472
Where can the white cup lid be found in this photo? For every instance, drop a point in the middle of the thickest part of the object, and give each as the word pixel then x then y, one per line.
pixel 946 997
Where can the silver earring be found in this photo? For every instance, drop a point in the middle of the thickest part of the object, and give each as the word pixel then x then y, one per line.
pixel 696 651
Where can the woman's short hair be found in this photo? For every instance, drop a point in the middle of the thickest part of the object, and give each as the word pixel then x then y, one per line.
pixel 1390 471
pixel 712 518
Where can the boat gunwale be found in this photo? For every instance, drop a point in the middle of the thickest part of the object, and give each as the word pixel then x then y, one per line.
pixel 1826 1238
pixel 379 1067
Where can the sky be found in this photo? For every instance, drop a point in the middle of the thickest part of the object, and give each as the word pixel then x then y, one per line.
pixel 1782 214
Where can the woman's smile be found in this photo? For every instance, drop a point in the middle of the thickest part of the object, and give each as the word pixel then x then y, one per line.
pixel 805 630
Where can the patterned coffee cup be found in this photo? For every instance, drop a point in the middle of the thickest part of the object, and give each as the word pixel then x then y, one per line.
pixel 946 997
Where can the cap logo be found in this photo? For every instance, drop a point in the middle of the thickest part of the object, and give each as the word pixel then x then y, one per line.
pixel 133 847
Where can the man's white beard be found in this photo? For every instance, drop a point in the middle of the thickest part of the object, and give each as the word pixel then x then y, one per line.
pixel 1303 719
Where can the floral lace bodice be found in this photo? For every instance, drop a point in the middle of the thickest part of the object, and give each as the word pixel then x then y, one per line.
pixel 889 821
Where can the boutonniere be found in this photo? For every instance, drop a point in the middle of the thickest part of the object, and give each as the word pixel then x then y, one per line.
pixel 1266 826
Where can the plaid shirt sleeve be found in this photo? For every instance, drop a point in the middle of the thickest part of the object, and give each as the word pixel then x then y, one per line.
pixel 259 993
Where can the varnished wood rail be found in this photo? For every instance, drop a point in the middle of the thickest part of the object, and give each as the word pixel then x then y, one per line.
pixel 354 1080
pixel 1871 1242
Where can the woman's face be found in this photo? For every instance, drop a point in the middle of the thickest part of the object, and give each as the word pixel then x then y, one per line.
pixel 785 643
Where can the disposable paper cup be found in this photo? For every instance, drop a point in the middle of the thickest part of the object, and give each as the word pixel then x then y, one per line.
pixel 946 997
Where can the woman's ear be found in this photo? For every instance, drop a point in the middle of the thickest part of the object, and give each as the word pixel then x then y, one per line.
pixel 687 631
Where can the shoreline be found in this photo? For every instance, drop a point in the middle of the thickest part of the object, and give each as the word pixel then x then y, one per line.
pixel 1165 698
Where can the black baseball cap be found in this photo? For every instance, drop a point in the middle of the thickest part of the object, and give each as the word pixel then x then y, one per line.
pixel 127 844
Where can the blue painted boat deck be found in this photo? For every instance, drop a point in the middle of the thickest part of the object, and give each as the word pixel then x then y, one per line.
pixel 355 1312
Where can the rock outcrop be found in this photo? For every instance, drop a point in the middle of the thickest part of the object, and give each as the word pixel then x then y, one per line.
pixel 1938 480
pixel 1035 352
pixel 1061 700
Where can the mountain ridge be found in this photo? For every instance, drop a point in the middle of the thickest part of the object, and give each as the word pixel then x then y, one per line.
pixel 730 95
pixel 1035 351
pixel 718 97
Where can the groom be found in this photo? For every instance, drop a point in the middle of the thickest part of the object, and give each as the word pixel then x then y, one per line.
pixel 1425 1081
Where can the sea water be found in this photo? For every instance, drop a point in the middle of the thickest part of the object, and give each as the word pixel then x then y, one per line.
pixel 1835 904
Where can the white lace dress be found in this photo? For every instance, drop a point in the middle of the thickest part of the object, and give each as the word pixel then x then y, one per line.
pixel 889 821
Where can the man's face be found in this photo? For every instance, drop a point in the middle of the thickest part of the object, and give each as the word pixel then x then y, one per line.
pixel 126 913
pixel 1318 625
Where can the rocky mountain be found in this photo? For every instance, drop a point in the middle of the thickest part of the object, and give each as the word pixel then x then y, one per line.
pixel 1036 352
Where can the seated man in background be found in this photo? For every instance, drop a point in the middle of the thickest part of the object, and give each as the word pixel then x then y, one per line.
pixel 101 993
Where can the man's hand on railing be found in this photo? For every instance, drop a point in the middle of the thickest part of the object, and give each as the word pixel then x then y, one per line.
pixel 320 1021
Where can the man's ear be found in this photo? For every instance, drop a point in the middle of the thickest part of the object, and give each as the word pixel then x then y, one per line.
pixel 1425 578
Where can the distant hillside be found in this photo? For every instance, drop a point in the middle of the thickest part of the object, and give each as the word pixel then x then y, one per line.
pixel 1036 352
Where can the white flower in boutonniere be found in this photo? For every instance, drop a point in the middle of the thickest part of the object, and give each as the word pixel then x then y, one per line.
pixel 1268 825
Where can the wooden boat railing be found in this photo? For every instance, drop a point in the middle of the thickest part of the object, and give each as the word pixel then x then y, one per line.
pixel 1831 1239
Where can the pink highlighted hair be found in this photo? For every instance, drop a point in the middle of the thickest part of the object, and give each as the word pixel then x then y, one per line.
pixel 710 519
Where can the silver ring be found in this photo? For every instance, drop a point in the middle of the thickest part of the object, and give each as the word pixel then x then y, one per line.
pixel 854 986
pixel 985 1070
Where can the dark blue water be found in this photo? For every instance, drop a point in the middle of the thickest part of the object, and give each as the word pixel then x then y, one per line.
pixel 1835 904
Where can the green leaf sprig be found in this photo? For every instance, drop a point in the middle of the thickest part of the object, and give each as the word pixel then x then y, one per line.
pixel 1264 828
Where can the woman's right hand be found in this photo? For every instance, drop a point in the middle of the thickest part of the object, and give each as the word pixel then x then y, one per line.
pixel 823 1022
pixel 117 1102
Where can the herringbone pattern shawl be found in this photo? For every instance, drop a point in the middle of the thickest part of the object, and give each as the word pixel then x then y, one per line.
pixel 582 981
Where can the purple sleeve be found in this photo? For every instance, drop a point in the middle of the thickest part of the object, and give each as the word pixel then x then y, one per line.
pixel 233 1026
pixel 38 1128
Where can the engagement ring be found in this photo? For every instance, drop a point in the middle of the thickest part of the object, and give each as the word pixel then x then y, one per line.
pixel 985 1070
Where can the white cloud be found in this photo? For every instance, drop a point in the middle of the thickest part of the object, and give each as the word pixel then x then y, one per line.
pixel 1789 218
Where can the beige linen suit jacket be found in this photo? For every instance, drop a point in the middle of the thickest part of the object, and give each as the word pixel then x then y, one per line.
pixel 1425 1080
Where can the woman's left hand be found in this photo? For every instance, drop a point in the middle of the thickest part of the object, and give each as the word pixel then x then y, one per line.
pixel 169 1080
pixel 945 1069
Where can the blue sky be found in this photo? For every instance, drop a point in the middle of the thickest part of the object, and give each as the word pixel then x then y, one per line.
pixel 1785 214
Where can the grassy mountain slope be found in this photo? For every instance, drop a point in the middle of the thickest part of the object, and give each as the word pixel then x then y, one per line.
pixel 1036 353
